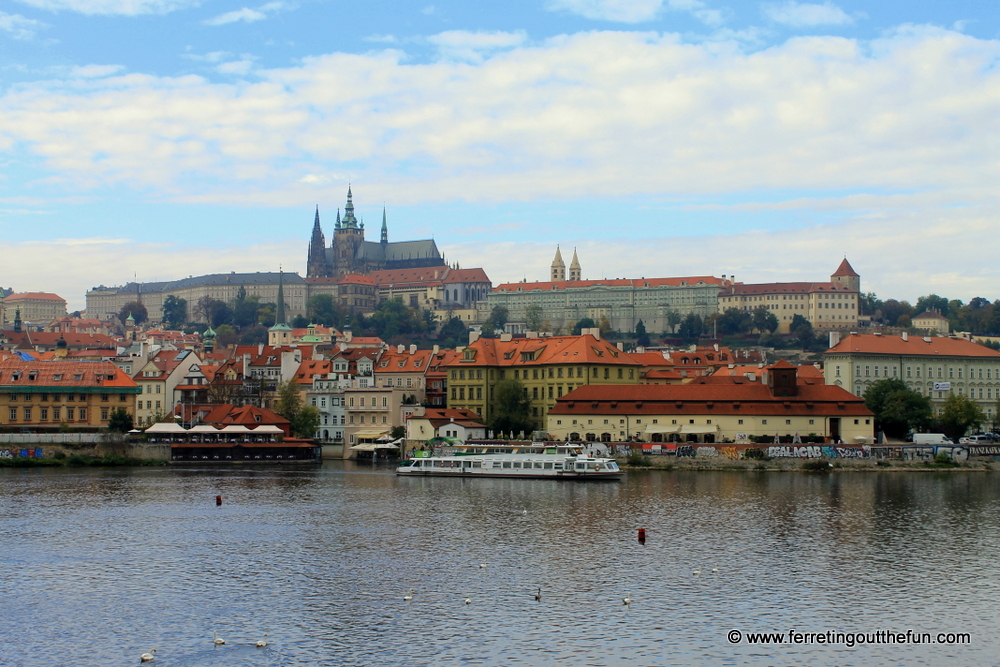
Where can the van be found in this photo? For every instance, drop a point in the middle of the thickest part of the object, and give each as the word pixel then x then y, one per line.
pixel 976 440
pixel 931 439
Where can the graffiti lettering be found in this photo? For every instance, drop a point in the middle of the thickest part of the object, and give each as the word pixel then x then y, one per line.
pixel 685 450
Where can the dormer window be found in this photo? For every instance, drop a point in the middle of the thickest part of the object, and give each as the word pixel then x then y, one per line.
pixel 32 375
pixel 78 376
pixel 16 376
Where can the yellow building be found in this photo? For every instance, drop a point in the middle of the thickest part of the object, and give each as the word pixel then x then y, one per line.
pixel 35 307
pixel 46 394
pixel 547 367
pixel 932 322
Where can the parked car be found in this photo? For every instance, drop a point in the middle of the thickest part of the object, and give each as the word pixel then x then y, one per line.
pixel 976 440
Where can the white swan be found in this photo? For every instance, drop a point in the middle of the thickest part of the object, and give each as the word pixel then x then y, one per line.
pixel 715 569
pixel 524 511
pixel 697 572
pixel 217 640
pixel 408 596
pixel 262 642
pixel 468 600
pixel 627 599
pixel 538 595
pixel 146 657
pixel 482 565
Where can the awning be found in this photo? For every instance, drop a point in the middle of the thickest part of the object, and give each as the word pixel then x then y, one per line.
pixel 235 428
pixel 386 445
pixel 698 430
pixel 203 428
pixel 369 435
pixel 366 447
pixel 653 428
pixel 268 428
pixel 168 427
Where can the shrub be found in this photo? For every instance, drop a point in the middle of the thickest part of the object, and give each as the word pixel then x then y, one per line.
pixel 819 465
pixel 883 464
pixel 638 460
pixel 944 460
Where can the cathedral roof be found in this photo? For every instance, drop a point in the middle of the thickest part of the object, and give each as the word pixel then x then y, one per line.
pixel 845 269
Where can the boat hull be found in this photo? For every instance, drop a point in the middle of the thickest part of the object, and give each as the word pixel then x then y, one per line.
pixel 558 475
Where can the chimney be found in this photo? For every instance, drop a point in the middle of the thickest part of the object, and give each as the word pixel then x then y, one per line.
pixel 834 338
pixel 260 348
pixel 435 350
pixel 715 346
pixel 506 337
pixel 400 348
pixel 413 348
pixel 473 337
pixel 906 337
pixel 621 346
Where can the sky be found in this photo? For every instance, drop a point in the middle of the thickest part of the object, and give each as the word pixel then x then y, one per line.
pixel 157 139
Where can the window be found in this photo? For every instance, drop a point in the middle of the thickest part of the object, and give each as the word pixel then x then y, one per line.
pixel 104 414
pixel 13 414
pixel 27 414
pixel 69 414
pixel 739 421
pixel 763 421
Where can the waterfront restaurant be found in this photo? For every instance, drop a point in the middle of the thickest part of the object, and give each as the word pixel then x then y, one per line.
pixel 777 404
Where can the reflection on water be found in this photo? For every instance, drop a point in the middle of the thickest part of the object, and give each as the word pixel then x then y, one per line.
pixel 102 565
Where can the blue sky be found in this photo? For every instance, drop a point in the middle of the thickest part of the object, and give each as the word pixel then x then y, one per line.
pixel 164 138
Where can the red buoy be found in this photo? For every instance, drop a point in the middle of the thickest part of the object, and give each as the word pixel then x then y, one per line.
pixel 218 500
pixel 642 536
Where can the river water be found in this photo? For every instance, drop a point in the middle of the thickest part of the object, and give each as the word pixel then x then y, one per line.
pixel 100 565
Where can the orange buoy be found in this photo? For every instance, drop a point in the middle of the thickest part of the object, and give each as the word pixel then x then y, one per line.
pixel 218 500
pixel 642 536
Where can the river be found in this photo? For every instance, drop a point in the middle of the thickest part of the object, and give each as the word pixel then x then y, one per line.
pixel 102 564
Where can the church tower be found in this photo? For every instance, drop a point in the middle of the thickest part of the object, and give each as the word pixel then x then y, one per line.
pixel 847 276
pixel 316 266
pixel 347 240
pixel 558 267
pixel 385 231
pixel 574 267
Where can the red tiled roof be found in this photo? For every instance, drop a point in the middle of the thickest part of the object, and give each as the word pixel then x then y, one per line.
pixel 25 296
pixel 622 282
pixel 465 276
pixel 392 361
pixel 551 350
pixel 939 346
pixel 742 289
pixel 929 315
pixel 309 368
pixel 730 398
pixel 64 374
pixel 845 269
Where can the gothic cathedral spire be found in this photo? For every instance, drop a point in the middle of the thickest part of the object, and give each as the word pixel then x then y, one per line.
pixel 574 267
pixel 558 267
pixel 385 229
pixel 316 266
pixel 279 317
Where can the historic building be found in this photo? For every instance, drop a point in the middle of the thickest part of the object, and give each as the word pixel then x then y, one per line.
pixel 931 365
pixel 349 252
pixel 782 402
pixel 37 308
pixel 826 305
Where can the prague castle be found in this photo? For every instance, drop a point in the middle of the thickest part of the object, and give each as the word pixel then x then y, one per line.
pixel 349 252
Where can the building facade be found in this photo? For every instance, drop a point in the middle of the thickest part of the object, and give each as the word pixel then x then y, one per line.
pixel 44 395
pixel 931 365
pixel 712 410
pixel 826 305
pixel 37 308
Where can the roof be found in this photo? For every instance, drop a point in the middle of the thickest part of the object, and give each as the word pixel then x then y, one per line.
pixel 55 375
pixel 845 269
pixel 37 296
pixel 629 283
pixel 349 279
pixel 266 278
pixel 440 416
pixel 731 398
pixel 393 361
pixel 931 346
pixel 742 289
pixel 465 276
pixel 929 315
pixel 311 367
pixel 584 349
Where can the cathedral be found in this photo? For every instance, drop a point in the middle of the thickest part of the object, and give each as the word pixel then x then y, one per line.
pixel 349 252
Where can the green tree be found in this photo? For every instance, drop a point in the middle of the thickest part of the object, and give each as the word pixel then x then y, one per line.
pixel 397 432
pixel 289 400
pixel 453 330
pixel 585 323
pixel 299 322
pixel 136 309
pixel 498 318
pixel 932 302
pixel 245 309
pixel 511 408
pixel 120 421
pixel 174 312
pixel 254 335
pixel 226 335
pixel 734 321
pixel 898 410
pixel 691 327
pixel 869 303
pixel 673 319
pixel 267 314
pixel 533 318
pixel 764 320
pixel 892 310
pixel 641 337
pixel 305 422
pixel 959 414
pixel 323 309
pixel 802 329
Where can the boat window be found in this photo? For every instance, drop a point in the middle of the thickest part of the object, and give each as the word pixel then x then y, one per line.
pixel 548 466
pixel 466 464
pixel 496 464
pixel 517 464
pixel 559 466
pixel 581 466
pixel 538 464
pixel 612 466
pixel 415 464
pixel 506 464
pixel 477 464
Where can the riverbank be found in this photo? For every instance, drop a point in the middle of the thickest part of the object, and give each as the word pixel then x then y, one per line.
pixel 78 461
pixel 809 465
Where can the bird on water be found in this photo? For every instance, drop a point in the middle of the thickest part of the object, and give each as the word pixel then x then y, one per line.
pixel 217 640
pixel 468 600
pixel 262 642
pixel 146 657
pixel 408 596
pixel 538 595
pixel 627 599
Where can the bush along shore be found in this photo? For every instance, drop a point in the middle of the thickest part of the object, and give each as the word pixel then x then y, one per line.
pixel 77 461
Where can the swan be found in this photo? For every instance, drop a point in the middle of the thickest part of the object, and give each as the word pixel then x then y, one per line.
pixel 262 642
pixel 627 599
pixel 468 600
pixel 217 640
pixel 697 572
pixel 538 595
pixel 524 511
pixel 482 565
pixel 146 657
pixel 408 596
pixel 715 569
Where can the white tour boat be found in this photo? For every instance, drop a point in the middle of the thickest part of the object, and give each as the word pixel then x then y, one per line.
pixel 522 460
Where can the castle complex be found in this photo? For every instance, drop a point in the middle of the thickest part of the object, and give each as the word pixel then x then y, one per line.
pixel 349 252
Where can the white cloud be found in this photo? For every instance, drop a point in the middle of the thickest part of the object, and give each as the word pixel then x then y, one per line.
pixel 18 26
pixel 466 45
pixel 381 39
pixel 245 14
pixel 805 15
pixel 95 71
pixel 601 114
pixel 112 7
pixel 238 67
